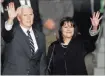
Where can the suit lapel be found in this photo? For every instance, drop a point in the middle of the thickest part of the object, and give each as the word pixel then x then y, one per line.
pixel 38 52
pixel 37 38
pixel 23 41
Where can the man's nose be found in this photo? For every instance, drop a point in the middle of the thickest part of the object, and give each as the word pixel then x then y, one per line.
pixel 28 16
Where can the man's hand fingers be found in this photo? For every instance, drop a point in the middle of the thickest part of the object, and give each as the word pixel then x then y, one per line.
pixel 13 6
pixel 91 19
pixel 7 8
pixel 93 14
pixel 98 14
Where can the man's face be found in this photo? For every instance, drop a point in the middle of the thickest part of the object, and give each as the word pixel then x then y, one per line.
pixel 26 17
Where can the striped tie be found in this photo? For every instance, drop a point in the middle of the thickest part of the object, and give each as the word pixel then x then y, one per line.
pixel 31 42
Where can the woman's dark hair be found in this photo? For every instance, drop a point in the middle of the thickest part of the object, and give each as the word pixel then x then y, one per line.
pixel 62 21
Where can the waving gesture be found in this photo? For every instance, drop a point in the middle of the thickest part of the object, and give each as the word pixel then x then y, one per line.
pixel 11 11
pixel 95 20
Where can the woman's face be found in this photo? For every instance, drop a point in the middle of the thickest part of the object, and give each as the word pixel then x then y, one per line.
pixel 67 30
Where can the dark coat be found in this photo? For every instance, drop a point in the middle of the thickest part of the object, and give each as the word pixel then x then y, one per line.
pixel 18 56
pixel 70 60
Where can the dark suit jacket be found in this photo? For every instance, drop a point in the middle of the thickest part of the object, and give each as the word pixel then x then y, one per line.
pixel 18 56
pixel 34 4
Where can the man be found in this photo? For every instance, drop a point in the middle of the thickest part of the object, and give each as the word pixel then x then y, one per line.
pixel 34 5
pixel 51 12
pixel 25 51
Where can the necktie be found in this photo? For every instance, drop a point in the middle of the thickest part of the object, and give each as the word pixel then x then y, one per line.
pixel 31 42
pixel 26 2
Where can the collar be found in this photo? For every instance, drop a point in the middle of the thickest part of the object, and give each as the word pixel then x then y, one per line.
pixel 25 30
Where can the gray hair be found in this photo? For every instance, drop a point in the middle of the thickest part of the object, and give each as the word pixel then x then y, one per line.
pixel 19 9
pixel 24 6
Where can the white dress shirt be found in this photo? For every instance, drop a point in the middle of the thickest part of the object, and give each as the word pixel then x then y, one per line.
pixel 9 27
pixel 22 2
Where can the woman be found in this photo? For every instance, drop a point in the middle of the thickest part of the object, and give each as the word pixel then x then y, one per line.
pixel 66 55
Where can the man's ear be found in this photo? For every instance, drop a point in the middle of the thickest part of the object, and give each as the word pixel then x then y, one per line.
pixel 18 17
pixel 18 11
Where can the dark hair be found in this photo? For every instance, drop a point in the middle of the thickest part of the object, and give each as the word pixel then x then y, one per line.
pixel 67 19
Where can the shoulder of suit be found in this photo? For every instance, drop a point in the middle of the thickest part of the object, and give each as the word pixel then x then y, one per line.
pixel 38 32
pixel 15 27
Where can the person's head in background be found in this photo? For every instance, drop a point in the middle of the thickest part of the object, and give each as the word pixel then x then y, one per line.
pixel 49 24
pixel 67 30
pixel 25 16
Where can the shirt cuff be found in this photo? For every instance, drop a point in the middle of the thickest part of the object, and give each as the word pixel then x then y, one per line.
pixel 92 32
pixel 8 27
